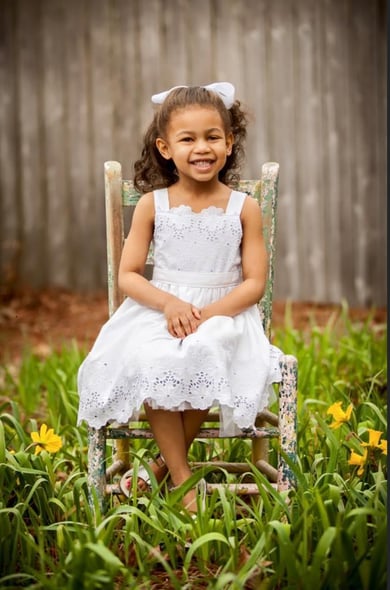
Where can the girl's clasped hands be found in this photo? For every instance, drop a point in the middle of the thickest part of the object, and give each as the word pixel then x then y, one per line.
pixel 182 317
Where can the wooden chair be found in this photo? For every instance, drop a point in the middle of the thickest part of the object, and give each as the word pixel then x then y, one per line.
pixel 120 194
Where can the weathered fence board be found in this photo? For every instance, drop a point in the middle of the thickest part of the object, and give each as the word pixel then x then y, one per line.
pixel 76 78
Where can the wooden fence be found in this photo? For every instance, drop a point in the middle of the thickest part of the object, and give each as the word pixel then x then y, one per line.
pixel 76 77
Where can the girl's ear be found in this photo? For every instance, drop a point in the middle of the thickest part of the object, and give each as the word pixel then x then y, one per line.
pixel 163 148
pixel 229 144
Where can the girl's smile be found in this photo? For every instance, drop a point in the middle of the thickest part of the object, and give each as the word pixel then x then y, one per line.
pixel 203 165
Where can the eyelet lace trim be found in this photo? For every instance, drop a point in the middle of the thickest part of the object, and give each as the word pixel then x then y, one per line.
pixel 186 210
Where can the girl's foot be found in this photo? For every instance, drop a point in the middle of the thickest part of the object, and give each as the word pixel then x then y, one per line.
pixel 158 468
pixel 190 499
pixel 190 503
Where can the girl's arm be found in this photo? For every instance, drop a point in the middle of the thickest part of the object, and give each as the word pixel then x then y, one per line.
pixel 254 267
pixel 182 317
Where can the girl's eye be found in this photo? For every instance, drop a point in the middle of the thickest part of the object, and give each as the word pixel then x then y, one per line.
pixel 186 139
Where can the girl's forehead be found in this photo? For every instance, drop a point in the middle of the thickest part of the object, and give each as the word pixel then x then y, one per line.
pixel 195 115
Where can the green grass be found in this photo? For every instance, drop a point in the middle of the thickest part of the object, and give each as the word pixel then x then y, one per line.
pixel 328 534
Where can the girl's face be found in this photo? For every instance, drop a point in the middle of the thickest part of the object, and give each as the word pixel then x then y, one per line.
pixel 197 143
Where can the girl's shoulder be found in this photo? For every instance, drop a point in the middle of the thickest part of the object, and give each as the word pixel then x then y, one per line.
pixel 146 201
pixel 251 211
pixel 250 204
pixel 145 207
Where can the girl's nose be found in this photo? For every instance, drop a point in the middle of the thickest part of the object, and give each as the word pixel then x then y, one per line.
pixel 201 145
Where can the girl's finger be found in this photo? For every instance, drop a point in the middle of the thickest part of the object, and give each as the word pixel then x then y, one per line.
pixel 186 325
pixel 178 328
pixel 196 312
pixel 194 323
pixel 171 329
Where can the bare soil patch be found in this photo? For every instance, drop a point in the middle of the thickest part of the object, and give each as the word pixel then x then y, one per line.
pixel 51 318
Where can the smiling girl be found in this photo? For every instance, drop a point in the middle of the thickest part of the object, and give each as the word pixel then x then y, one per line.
pixel 191 338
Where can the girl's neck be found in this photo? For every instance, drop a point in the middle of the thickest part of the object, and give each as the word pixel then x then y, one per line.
pixel 199 190
pixel 199 197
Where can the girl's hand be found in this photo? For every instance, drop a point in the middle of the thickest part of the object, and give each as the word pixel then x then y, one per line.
pixel 182 318
pixel 205 314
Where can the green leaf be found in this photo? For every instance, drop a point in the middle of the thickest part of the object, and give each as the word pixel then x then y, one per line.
pixel 105 554
pixel 200 542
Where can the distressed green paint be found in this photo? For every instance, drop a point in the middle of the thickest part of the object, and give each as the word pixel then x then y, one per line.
pixel 204 433
pixel 96 466
pixel 287 421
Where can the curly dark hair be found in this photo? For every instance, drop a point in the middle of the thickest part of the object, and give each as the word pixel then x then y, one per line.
pixel 152 171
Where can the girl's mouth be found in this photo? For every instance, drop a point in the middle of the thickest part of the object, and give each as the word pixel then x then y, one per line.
pixel 202 164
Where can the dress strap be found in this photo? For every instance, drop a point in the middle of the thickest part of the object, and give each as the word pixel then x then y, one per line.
pixel 236 202
pixel 161 200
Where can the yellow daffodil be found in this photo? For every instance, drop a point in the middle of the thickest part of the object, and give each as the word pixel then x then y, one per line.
pixel 46 440
pixel 357 459
pixel 373 440
pixel 338 414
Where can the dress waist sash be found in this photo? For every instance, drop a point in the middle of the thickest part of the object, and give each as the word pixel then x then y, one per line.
pixel 197 279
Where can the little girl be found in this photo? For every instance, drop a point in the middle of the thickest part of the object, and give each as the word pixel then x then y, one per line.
pixel 191 338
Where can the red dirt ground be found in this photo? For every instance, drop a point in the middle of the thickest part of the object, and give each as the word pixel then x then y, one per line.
pixel 46 319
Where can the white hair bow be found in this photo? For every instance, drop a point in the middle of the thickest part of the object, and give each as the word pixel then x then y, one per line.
pixel 224 89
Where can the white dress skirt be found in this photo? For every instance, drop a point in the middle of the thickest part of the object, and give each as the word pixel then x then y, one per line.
pixel 227 363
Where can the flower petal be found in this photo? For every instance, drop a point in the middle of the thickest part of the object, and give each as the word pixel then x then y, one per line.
pixel 54 444
pixel 357 459
pixel 373 437
pixel 43 431
pixel 334 409
pixel 348 412
pixel 35 437
pixel 38 449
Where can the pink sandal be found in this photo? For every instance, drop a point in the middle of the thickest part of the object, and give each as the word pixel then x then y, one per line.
pixel 142 474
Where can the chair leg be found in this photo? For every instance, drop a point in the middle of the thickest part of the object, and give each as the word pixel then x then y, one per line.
pixel 287 421
pixel 260 450
pixel 260 445
pixel 97 466
pixel 121 461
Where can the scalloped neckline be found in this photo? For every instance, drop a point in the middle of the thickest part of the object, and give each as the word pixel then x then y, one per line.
pixel 211 209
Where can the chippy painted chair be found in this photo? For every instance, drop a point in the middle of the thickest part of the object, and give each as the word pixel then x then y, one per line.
pixel 120 194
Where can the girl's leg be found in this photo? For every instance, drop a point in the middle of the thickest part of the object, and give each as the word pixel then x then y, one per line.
pixel 192 421
pixel 174 433
pixel 169 433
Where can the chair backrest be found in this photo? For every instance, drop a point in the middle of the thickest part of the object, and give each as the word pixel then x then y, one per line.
pixel 120 193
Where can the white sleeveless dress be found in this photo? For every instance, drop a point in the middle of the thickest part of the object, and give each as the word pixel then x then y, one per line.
pixel 227 363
